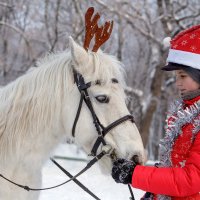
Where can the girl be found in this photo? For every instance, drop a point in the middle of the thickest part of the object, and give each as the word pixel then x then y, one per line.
pixel 177 176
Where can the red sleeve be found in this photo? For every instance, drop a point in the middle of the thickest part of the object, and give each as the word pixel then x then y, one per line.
pixel 171 181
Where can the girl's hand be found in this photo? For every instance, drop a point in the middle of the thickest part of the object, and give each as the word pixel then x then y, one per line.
pixel 122 171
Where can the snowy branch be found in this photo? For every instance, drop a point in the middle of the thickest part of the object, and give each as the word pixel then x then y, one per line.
pixel 21 33
pixel 6 5
pixel 130 20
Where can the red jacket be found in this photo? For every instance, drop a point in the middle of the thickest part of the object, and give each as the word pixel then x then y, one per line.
pixel 182 180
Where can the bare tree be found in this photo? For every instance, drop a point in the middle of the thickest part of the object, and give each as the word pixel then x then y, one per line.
pixel 29 30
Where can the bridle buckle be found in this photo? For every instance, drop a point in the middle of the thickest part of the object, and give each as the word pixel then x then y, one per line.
pixel 107 149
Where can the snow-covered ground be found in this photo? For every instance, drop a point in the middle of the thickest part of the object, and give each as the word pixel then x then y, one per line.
pixel 101 185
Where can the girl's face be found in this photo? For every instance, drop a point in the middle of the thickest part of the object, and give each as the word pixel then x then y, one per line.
pixel 185 83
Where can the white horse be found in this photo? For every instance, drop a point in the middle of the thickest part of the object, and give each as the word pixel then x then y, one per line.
pixel 37 112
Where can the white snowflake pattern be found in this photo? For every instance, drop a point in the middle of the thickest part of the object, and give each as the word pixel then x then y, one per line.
pixel 193 48
pixel 184 42
pixel 175 46
pixel 192 36
pixel 182 164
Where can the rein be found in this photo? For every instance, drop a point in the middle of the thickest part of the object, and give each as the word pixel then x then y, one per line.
pixel 101 130
pixel 90 164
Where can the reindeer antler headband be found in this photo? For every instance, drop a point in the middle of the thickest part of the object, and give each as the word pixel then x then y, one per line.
pixel 102 33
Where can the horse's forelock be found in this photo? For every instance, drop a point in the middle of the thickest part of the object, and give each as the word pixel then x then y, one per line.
pixel 106 68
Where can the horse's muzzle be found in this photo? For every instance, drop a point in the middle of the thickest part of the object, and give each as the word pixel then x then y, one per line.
pixel 136 159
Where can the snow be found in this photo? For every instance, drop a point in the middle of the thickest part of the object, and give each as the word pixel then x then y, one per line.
pixel 103 186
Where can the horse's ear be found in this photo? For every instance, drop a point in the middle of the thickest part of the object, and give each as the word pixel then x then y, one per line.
pixel 79 55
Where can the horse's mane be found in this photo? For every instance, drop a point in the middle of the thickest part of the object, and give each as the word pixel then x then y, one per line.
pixel 104 73
pixel 40 92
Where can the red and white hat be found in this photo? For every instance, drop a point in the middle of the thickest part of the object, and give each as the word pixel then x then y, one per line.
pixel 185 49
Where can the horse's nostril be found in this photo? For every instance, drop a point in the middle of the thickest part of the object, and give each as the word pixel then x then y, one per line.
pixel 135 159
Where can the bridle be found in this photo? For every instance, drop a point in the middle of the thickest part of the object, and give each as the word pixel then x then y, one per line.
pixel 101 130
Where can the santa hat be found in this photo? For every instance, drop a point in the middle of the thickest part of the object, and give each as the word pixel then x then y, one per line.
pixel 185 50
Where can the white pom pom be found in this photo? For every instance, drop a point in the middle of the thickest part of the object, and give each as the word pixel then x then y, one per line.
pixel 166 41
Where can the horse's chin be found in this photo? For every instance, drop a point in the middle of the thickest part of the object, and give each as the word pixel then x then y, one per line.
pixel 105 165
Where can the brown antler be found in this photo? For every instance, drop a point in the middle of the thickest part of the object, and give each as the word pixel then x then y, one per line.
pixel 102 35
pixel 90 26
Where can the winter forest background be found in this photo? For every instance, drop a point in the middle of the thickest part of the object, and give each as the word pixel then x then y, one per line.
pixel 30 29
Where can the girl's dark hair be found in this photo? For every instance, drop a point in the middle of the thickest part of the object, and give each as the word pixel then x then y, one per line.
pixel 192 72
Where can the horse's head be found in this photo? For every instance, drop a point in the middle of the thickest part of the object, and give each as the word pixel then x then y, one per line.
pixel 107 96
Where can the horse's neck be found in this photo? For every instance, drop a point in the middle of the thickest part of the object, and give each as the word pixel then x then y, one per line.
pixel 31 123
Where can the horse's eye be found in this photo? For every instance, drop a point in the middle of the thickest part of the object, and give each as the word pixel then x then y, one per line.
pixel 102 98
